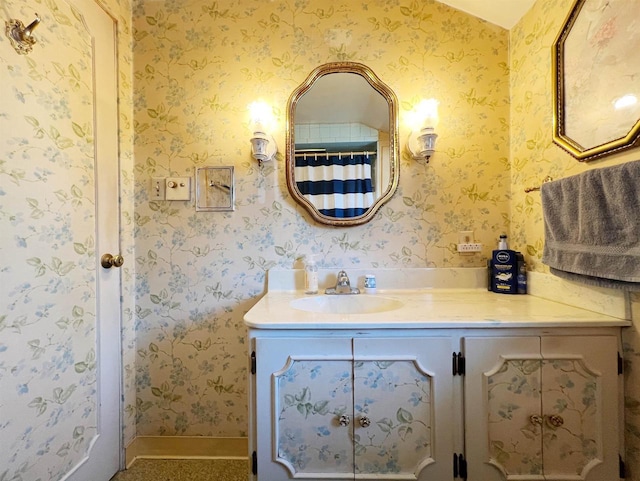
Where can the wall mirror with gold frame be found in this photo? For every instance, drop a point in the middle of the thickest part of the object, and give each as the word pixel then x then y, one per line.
pixel 342 144
pixel 596 79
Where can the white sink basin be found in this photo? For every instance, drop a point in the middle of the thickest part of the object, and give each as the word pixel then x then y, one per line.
pixel 346 304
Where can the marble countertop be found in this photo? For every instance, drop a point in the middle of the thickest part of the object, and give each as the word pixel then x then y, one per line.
pixel 430 308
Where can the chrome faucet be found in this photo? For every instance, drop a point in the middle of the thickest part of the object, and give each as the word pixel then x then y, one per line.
pixel 343 285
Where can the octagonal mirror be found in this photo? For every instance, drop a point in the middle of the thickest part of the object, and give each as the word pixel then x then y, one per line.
pixel 596 63
pixel 342 144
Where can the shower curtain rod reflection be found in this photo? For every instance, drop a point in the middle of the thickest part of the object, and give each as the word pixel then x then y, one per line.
pixel 320 153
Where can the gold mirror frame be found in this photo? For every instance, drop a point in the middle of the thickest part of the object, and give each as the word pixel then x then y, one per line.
pixel 562 96
pixel 392 102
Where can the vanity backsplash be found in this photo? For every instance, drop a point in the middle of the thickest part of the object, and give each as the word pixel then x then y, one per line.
pixel 601 300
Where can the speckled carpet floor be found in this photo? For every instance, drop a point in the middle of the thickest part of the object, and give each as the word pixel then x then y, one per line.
pixel 185 470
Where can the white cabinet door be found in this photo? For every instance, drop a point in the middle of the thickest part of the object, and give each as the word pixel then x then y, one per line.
pixel 304 408
pixel 580 408
pixel 502 392
pixel 345 408
pixel 403 409
pixel 541 408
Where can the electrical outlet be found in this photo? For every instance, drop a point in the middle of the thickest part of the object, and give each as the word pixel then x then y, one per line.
pixel 465 236
pixel 158 190
pixel 470 247
pixel 178 188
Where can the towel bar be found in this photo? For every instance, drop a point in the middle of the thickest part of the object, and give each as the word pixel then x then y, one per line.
pixel 548 178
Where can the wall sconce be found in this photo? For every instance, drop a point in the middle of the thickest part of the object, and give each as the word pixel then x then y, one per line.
pixel 263 145
pixel 422 139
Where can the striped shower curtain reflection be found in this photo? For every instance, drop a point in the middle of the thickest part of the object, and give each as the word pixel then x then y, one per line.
pixel 338 184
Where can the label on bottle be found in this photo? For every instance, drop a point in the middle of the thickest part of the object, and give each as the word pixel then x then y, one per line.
pixel 504 272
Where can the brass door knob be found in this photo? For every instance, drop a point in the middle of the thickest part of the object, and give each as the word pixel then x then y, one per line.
pixel 108 261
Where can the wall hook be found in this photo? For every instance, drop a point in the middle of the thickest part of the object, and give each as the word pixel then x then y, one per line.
pixel 20 36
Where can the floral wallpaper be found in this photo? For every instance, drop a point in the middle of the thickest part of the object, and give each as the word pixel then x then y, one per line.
pixel 47 217
pixel 534 156
pixel 187 71
pixel 198 65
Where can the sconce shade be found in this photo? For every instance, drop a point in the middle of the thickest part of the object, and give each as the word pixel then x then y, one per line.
pixel 427 142
pixel 259 146
pixel 263 147
pixel 422 144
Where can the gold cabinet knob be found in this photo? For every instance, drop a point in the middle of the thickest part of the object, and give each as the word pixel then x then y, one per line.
pixel 365 422
pixel 535 419
pixel 555 420
pixel 108 261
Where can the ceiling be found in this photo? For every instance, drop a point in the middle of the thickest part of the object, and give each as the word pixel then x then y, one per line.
pixel 505 13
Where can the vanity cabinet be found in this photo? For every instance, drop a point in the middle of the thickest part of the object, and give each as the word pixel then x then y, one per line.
pixel 353 408
pixel 389 404
pixel 541 407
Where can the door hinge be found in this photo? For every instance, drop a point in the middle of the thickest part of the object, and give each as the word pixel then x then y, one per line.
pixel 620 364
pixel 254 463
pixel 623 473
pixel 459 466
pixel 253 362
pixel 458 364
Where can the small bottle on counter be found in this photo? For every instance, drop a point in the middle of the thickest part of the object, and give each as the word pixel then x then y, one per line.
pixel 370 285
pixel 310 275
pixel 522 274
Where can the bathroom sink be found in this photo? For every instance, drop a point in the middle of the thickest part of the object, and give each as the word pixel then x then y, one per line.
pixel 348 304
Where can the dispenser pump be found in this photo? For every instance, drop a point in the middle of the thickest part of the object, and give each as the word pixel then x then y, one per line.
pixel 502 243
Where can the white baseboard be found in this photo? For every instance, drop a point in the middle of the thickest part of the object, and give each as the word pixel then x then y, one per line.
pixel 185 447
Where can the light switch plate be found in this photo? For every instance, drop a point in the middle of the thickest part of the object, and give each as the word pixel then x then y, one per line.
pixel 178 188
pixel 157 191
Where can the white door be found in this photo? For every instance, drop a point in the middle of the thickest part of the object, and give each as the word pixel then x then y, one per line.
pixel 59 212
